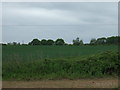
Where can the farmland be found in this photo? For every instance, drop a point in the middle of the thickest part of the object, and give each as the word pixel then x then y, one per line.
pixel 59 62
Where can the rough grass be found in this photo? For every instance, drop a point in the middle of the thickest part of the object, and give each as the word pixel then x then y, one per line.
pixel 59 62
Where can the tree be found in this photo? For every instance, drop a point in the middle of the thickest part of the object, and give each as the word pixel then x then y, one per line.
pixel 34 42
pixel 93 41
pixel 3 44
pixel 81 42
pixel 50 42
pixel 59 42
pixel 113 40
pixel 77 42
pixel 101 40
pixel 14 43
pixel 9 43
pixel 43 42
pixel 18 43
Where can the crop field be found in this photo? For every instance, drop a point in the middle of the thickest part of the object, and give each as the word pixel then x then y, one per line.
pixel 42 52
pixel 59 62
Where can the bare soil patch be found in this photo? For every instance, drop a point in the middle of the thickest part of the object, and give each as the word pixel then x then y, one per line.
pixel 81 83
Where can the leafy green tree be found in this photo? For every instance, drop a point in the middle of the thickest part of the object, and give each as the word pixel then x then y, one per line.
pixel 34 42
pixel 93 41
pixel 101 40
pixel 119 40
pixel 18 43
pixel 81 42
pixel 3 44
pixel 50 42
pixel 77 42
pixel 8 43
pixel 113 40
pixel 43 42
pixel 59 42
pixel 14 43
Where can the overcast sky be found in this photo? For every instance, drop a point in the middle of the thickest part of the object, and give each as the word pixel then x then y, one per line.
pixel 23 22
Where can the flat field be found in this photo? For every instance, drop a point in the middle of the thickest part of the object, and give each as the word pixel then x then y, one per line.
pixel 44 52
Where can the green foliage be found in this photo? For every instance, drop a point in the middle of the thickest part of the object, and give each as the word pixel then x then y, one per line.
pixel 93 41
pixel 35 42
pixel 81 42
pixel 77 42
pixel 50 42
pixel 59 42
pixel 103 40
pixel 113 40
pixel 43 42
pixel 59 62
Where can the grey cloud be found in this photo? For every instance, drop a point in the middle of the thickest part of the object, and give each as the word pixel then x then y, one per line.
pixel 25 21
pixel 82 12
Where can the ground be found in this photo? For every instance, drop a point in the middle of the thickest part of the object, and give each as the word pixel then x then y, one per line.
pixel 81 83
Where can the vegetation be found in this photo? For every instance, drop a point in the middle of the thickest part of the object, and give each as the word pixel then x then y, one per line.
pixel 77 42
pixel 24 53
pixel 35 42
pixel 103 40
pixel 49 59
pixel 59 42
pixel 59 62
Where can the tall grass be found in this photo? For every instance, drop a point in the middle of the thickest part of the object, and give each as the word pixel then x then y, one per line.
pixel 59 62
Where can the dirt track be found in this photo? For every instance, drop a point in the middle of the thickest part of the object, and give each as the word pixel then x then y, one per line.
pixel 82 83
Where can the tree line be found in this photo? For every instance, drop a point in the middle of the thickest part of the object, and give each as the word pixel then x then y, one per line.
pixel 47 42
pixel 103 40
pixel 77 41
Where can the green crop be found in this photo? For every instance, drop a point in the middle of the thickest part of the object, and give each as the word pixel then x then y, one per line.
pixel 59 62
